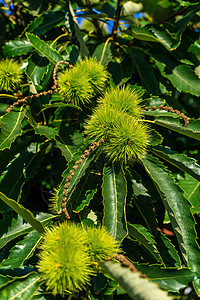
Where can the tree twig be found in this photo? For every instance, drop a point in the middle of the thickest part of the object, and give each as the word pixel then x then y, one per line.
pixel 173 15
pixel 116 20
pixel 95 22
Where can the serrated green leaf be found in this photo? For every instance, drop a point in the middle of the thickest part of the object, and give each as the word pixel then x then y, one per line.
pixel 191 188
pixel 138 288
pixel 16 47
pixel 76 177
pixel 22 251
pixel 145 71
pixel 85 191
pixel 180 161
pixel 36 7
pixel 168 251
pixel 141 33
pixel 114 190
pixel 44 23
pixel 171 279
pixel 44 48
pixel 47 131
pixel 182 77
pixel 20 287
pixel 142 202
pixel 13 228
pixel 103 53
pixel 10 127
pixel 34 24
pixel 68 140
pixel 8 154
pixel 179 211
pixel 145 238
pixel 174 123
pixel 183 22
pixel 192 38
pixel 4 279
pixel 162 35
pixel 156 138
pixel 154 100
pixel 24 213
pixel 70 16
pixel 26 163
pixel 37 67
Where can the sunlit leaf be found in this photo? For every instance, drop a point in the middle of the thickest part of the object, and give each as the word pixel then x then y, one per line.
pixel 114 191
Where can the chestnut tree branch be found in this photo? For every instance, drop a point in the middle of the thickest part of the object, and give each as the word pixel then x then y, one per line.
pixel 95 22
pixel 116 20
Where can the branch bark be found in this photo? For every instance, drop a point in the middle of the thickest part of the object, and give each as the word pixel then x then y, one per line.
pixel 116 21
pixel 95 22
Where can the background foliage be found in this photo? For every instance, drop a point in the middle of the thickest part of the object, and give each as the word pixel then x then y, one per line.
pixel 152 207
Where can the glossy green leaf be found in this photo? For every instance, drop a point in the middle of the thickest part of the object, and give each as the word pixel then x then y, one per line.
pixel 34 24
pixel 183 22
pixel 13 228
pixel 76 177
pixel 10 127
pixel 36 7
pixel 44 48
pixel 114 190
pixel 168 251
pixel 27 164
pixel 144 237
pixel 37 67
pixel 179 211
pixel 137 288
pixel 170 279
pixel 142 202
pixel 22 251
pixel 145 71
pixel 103 53
pixel 108 293
pixel 182 77
pixel 141 33
pixel 17 47
pixel 48 76
pixel 75 30
pixel 154 100
pixel 20 287
pixel 162 35
pixel 156 138
pixel 4 279
pixel 24 213
pixel 47 131
pixel 181 161
pixel 85 191
pixel 193 39
pixel 191 188
pixel 68 139
pixel 8 154
pixel 64 148
pixel 45 22
pixel 175 124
